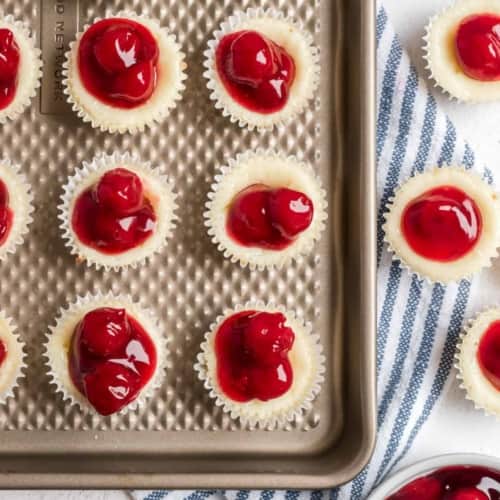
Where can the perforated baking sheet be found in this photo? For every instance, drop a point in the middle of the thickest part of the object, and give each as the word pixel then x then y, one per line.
pixel 180 438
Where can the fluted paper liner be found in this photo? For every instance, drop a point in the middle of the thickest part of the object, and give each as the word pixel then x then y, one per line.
pixel 287 33
pixel 21 204
pixel 58 342
pixel 159 190
pixel 30 69
pixel 275 170
pixel 485 249
pixel 167 93
pixel 13 366
pixel 275 412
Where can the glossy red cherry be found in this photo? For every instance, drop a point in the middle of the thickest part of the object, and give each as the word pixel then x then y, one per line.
pixel 467 494
pixel 3 352
pixel 120 191
pixel 135 84
pixel 478 46
pixel 110 387
pixel 424 488
pixel 291 211
pixel 442 224
pixel 488 354
pixel 267 338
pixel 270 381
pixel 256 72
pixel 117 49
pixel 6 214
pixel 248 216
pixel 104 331
pixel 250 60
pixel 9 56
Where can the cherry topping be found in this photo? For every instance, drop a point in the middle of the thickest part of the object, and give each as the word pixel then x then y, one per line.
pixel 428 488
pixel 9 67
pixel 467 494
pixel 118 62
pixel 117 49
pixel 114 216
pixel 6 214
pixel 3 352
pixel 252 356
pixel 488 354
pixel 478 46
pixel 104 331
pixel 110 387
pixel 120 191
pixel 263 217
pixel 111 359
pixel 453 483
pixel 257 72
pixel 442 224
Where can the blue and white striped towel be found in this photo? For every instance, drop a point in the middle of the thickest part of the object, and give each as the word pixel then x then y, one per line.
pixel 418 323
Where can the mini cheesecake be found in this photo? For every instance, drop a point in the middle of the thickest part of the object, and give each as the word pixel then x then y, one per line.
pixel 20 68
pixel 463 50
pixel 262 68
pixel 443 224
pixel 117 211
pixel 265 209
pixel 106 354
pixel 261 364
pixel 478 361
pixel 124 73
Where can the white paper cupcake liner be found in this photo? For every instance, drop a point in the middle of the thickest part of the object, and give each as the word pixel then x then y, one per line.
pixel 111 119
pixel 21 204
pixel 284 31
pixel 157 185
pixel 30 69
pixel 441 62
pixel 477 387
pixel 485 250
pixel 58 342
pixel 14 365
pixel 275 170
pixel 276 412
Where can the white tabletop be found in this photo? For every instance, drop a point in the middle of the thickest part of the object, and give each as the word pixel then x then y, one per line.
pixel 455 426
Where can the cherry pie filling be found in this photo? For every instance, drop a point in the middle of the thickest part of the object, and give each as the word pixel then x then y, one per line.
pixel 112 358
pixel 453 483
pixel 488 354
pixel 118 62
pixel 264 217
pixel 442 224
pixel 6 214
pixel 251 349
pixel 3 352
pixel 9 67
pixel 114 215
pixel 257 72
pixel 477 46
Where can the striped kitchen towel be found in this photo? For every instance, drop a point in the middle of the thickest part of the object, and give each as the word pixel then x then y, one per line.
pixel 418 323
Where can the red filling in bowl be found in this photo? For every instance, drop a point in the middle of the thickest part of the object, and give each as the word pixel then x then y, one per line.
pixel 6 214
pixel 488 354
